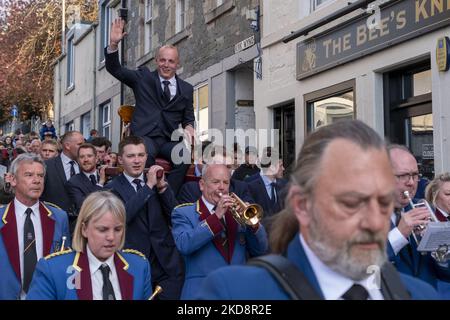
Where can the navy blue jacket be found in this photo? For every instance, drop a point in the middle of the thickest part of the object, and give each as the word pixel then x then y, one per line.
pixel 255 283
pixel 148 230
pixel 79 187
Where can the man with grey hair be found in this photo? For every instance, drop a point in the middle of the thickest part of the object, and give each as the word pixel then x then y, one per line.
pixel 206 233
pixel 29 229
pixel 334 230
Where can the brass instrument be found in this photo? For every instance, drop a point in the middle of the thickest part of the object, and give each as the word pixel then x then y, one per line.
pixel 157 291
pixel 442 254
pixel 245 214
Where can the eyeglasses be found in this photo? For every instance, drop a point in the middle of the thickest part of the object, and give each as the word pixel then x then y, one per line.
pixel 406 176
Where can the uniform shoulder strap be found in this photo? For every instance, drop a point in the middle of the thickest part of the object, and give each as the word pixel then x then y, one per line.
pixel 288 276
pixel 391 285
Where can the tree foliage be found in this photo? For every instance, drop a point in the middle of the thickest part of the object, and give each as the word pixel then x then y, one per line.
pixel 30 34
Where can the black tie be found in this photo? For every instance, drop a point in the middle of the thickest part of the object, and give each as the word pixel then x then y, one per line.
pixel 29 251
pixel 356 292
pixel 93 179
pixel 72 168
pixel 166 90
pixel 108 291
pixel 137 182
pixel 273 192
pixel 398 216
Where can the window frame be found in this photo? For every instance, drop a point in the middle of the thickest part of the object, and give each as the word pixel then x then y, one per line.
pixel 315 6
pixel 105 124
pixel 197 108
pixel 70 80
pixel 181 15
pixel 148 25
pixel 106 17
pixel 325 93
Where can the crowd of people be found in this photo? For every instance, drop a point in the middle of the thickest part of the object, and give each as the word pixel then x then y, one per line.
pixel 82 222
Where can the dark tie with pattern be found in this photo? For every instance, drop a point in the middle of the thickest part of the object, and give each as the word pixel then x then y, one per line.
pixel 72 168
pixel 93 179
pixel 107 290
pixel 356 292
pixel 166 90
pixel 137 182
pixel 29 251
pixel 273 192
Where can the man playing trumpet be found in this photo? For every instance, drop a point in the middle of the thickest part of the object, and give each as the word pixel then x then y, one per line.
pixel 402 248
pixel 208 236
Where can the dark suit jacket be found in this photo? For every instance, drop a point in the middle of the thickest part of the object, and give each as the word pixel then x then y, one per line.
pixel 190 191
pixel 259 193
pixel 79 187
pixel 148 221
pixel 152 115
pixel 55 185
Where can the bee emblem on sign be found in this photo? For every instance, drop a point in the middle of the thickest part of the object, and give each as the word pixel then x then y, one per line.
pixel 309 57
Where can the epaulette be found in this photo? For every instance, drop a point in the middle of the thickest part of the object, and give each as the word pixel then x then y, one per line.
pixel 134 252
pixel 184 205
pixel 58 253
pixel 52 205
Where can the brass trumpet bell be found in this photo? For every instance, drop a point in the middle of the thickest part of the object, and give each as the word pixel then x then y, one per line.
pixel 246 214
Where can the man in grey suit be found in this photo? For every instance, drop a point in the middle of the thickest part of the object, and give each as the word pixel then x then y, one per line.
pixel 163 102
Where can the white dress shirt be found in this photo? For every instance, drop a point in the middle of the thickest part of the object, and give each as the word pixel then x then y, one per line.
pixel 97 277
pixel 20 209
pixel 66 164
pixel 396 238
pixel 172 85
pixel 268 184
pixel 333 284
pixel 130 180
pixel 97 177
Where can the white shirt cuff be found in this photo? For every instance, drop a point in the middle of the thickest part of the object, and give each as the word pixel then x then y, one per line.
pixel 109 50
pixel 397 240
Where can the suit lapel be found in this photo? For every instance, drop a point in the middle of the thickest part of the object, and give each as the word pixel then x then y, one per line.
pixel 48 228
pixel 127 190
pixel 81 264
pixel 126 280
pixel 159 92
pixel 10 238
pixel 297 255
pixel 262 187
pixel 60 169
pixel 204 213
pixel 232 227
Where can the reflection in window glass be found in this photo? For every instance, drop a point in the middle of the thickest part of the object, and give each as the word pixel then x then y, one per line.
pixel 420 141
pixel 422 82
pixel 201 111
pixel 331 109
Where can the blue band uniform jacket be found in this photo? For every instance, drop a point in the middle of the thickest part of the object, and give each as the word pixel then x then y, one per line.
pixel 55 225
pixel 66 276
pixel 199 238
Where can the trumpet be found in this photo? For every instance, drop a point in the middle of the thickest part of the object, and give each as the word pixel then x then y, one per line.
pixel 245 214
pixel 157 291
pixel 442 254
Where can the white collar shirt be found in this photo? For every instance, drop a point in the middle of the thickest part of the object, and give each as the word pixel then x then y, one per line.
pixel 97 277
pixel 334 285
pixel 66 165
